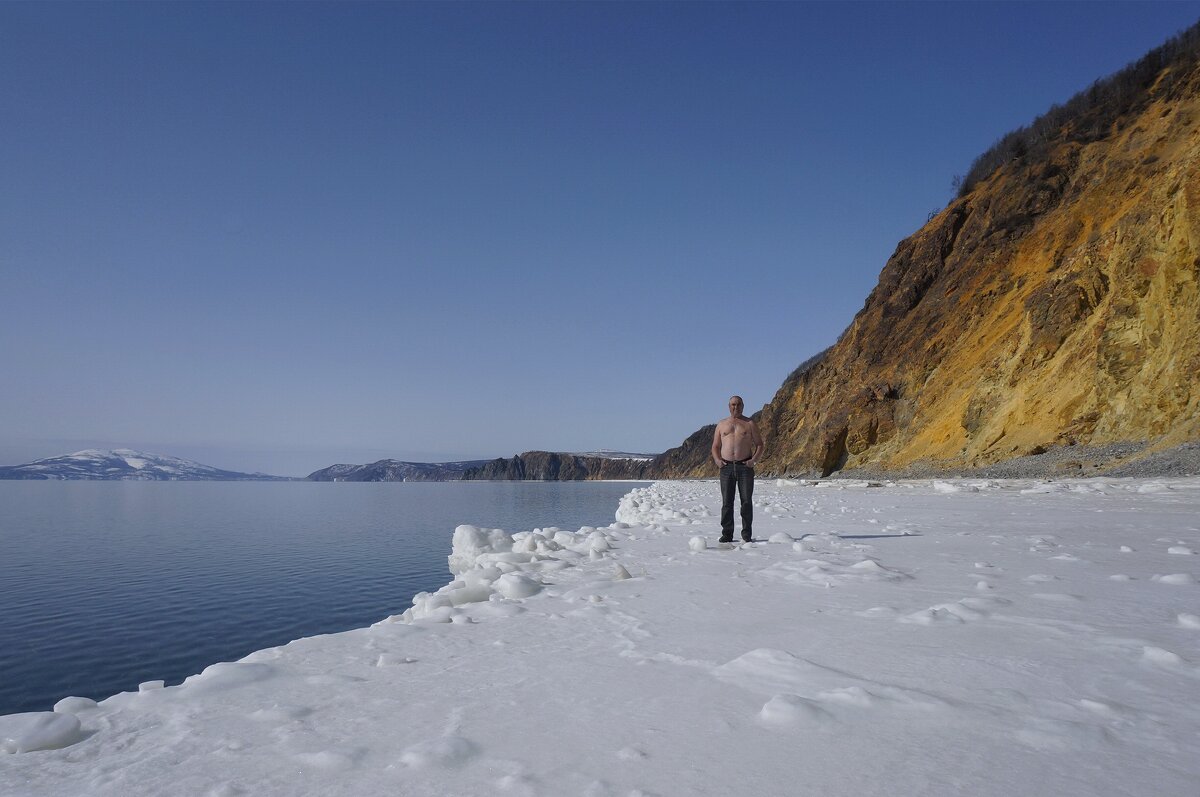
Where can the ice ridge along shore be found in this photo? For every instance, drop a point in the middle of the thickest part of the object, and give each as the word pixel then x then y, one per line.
pixel 977 637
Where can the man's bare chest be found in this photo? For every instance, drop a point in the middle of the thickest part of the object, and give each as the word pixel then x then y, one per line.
pixel 735 430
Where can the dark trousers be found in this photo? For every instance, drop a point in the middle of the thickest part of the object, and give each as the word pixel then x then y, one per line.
pixel 739 476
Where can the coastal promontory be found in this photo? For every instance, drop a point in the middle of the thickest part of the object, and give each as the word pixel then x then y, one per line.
pixel 1054 304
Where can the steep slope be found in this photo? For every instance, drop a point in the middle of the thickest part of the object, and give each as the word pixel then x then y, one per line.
pixel 1055 302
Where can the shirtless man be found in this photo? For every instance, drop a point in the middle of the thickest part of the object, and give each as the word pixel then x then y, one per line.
pixel 737 445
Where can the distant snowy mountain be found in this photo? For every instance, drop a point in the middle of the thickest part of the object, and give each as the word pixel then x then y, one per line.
pixel 125 464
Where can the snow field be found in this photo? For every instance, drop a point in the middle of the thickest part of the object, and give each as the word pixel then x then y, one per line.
pixel 975 637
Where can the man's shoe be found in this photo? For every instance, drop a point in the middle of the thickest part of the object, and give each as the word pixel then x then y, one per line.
pixel 725 539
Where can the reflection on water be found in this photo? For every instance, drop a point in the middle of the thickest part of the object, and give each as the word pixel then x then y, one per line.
pixel 104 585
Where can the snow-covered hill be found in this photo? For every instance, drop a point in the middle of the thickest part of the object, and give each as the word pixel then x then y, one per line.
pixel 125 464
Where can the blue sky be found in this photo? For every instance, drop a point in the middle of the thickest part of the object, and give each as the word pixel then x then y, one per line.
pixel 275 237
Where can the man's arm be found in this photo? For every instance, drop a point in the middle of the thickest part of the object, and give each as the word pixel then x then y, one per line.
pixel 716 447
pixel 760 445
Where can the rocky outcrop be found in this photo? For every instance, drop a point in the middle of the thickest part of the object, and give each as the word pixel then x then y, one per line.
pixel 555 466
pixel 1057 302
pixel 394 470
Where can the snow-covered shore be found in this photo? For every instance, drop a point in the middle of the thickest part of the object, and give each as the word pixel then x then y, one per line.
pixel 958 637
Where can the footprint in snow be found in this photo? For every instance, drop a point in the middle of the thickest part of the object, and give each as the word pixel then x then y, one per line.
pixel 874 612
pixel 277 715
pixel 331 760
pixel 1057 597
pixel 946 613
pixel 519 784
pixel 961 611
pixel 226 790
pixel 1168 660
pixel 1052 735
pixel 447 752
pixel 392 659
pixel 789 711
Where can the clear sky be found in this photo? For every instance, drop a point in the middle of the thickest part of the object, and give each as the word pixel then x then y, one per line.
pixel 275 237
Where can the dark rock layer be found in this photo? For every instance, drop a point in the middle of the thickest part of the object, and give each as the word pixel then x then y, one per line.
pixel 392 470
pixel 553 466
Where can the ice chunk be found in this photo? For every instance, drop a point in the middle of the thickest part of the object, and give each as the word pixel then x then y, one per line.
pixel 226 675
pixel 517 585
pixel 481 576
pixel 476 593
pixel 38 730
pixel 74 705
pixel 471 542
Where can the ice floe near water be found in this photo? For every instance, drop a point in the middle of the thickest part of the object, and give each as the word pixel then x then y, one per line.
pixel 38 730
pixel 947 637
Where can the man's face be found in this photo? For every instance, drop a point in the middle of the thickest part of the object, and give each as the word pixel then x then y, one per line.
pixel 735 406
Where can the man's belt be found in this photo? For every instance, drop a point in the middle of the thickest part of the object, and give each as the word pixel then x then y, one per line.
pixel 736 461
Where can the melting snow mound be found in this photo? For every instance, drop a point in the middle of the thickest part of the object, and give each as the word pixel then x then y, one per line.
pixel 38 730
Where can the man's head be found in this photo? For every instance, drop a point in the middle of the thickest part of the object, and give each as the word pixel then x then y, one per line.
pixel 736 406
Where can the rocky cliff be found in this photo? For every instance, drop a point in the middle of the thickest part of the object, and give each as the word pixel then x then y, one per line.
pixel 554 466
pixel 394 470
pixel 1055 302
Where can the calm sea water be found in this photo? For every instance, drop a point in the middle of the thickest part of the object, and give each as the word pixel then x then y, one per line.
pixel 104 585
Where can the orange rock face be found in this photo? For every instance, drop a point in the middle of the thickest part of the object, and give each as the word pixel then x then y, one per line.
pixel 1057 302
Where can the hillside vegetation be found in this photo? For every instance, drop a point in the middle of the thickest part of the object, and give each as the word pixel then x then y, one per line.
pixel 1054 302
